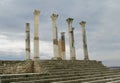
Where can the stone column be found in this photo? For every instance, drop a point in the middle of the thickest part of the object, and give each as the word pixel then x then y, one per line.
pixel 36 34
pixel 71 42
pixel 55 35
pixel 59 48
pixel 63 51
pixel 85 50
pixel 27 41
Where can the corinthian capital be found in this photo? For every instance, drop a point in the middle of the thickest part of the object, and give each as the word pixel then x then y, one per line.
pixel 82 23
pixel 69 20
pixel 54 17
pixel 36 12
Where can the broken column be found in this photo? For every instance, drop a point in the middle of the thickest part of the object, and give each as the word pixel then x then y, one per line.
pixel 85 50
pixel 71 39
pixel 55 35
pixel 27 41
pixel 36 34
pixel 62 46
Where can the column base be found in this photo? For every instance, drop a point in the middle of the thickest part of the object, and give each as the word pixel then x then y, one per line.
pixel 28 59
pixel 56 58
pixel 86 59
pixel 73 58
pixel 36 59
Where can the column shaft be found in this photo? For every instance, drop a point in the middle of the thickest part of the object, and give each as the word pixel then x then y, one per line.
pixel 85 50
pixel 63 51
pixel 71 38
pixel 36 34
pixel 55 36
pixel 60 47
pixel 27 41
pixel 73 42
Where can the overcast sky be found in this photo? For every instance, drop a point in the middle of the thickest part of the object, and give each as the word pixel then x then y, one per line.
pixel 102 27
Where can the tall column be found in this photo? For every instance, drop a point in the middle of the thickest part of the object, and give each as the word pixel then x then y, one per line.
pixel 55 36
pixel 27 41
pixel 61 45
pixel 36 34
pixel 63 53
pixel 71 42
pixel 85 50
pixel 59 48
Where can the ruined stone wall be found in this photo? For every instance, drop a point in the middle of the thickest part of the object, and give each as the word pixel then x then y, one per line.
pixel 5 64
pixel 14 67
pixel 39 67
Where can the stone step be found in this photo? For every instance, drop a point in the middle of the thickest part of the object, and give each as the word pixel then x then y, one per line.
pixel 66 72
pixel 82 68
pixel 92 64
pixel 102 79
pixel 64 77
pixel 36 78
pixel 70 62
pixel 9 76
pixel 37 74
pixel 115 81
pixel 75 69
pixel 109 80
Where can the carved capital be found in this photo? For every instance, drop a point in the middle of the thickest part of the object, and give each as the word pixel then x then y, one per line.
pixel 69 20
pixel 82 23
pixel 27 27
pixel 54 17
pixel 36 12
pixel 27 24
